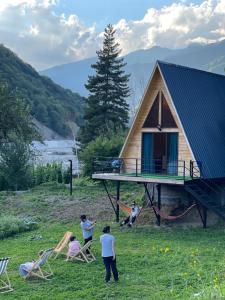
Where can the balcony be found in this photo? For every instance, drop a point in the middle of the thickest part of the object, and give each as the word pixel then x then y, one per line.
pixel 139 170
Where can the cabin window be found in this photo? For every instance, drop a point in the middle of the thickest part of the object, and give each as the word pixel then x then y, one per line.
pixel 152 119
pixel 160 114
pixel 167 120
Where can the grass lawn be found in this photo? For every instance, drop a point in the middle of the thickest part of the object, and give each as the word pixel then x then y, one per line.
pixel 154 263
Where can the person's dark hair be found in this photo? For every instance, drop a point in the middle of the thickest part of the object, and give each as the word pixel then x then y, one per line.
pixel 83 217
pixel 72 238
pixel 40 252
pixel 106 229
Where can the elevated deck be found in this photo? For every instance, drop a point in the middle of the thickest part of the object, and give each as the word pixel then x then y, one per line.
pixel 147 178
pixel 137 170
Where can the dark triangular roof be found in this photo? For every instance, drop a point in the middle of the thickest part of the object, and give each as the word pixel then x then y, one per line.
pixel 199 99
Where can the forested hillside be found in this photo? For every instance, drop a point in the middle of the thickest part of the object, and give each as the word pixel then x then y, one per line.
pixel 50 104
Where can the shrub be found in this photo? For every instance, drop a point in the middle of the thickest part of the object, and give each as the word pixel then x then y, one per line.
pixel 84 182
pixel 104 146
pixel 66 176
pixel 10 225
pixel 48 173
pixel 16 165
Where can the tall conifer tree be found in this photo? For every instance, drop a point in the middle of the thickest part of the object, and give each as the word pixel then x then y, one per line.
pixel 106 109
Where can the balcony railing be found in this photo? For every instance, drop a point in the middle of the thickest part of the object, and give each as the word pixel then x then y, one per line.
pixel 147 168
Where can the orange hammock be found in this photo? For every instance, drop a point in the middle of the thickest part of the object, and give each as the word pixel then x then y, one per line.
pixel 127 209
pixel 173 218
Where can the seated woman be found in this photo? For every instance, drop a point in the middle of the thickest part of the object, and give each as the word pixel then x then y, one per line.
pixel 132 217
pixel 74 247
pixel 26 267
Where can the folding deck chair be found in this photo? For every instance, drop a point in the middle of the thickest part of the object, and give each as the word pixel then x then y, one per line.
pixel 82 254
pixel 62 244
pixel 41 267
pixel 5 285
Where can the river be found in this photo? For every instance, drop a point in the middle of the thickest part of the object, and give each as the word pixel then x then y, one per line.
pixel 60 151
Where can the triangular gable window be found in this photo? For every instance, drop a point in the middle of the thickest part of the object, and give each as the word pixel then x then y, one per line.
pixel 160 115
pixel 153 116
pixel 167 120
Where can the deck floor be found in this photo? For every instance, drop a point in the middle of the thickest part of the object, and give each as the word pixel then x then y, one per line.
pixel 154 178
pixel 159 176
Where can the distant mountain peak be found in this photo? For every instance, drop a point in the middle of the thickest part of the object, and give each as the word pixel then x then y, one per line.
pixel 210 57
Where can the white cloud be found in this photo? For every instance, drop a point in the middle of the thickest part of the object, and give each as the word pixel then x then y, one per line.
pixel 41 37
pixel 174 26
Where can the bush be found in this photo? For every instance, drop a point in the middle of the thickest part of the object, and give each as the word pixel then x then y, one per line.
pixel 10 225
pixel 48 173
pixel 15 165
pixel 66 176
pixel 84 182
pixel 101 146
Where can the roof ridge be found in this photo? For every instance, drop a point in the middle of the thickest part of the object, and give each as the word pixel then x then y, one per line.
pixel 190 68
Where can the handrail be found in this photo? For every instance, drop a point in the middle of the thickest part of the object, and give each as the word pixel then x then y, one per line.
pixel 141 166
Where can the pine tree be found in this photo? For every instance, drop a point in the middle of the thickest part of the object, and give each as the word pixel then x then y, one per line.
pixel 106 110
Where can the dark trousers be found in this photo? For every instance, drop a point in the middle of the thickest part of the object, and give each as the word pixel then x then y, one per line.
pixel 130 220
pixel 110 265
pixel 85 242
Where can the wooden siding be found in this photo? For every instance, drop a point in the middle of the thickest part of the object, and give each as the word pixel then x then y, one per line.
pixel 132 147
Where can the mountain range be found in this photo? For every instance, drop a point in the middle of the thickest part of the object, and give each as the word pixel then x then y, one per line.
pixel 140 63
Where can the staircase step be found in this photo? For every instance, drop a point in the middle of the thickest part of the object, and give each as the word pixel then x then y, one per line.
pixel 202 195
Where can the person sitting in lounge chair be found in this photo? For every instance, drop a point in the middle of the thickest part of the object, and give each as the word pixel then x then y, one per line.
pixel 132 217
pixel 27 266
pixel 74 247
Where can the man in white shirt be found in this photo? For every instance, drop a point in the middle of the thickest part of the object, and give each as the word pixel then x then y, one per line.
pixel 87 229
pixel 108 254
pixel 132 217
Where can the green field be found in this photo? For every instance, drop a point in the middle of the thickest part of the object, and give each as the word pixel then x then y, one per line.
pixel 165 263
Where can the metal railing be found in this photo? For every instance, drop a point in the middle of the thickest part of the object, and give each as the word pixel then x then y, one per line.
pixel 146 167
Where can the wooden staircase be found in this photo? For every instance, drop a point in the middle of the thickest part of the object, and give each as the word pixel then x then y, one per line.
pixel 207 193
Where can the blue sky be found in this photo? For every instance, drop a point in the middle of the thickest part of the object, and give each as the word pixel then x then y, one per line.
pixel 103 12
pixel 45 33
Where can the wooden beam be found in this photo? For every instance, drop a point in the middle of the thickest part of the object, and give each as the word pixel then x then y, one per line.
pixel 150 199
pixel 110 199
pixel 157 130
pixel 204 209
pixel 202 214
pixel 160 108
pixel 117 199
pixel 159 203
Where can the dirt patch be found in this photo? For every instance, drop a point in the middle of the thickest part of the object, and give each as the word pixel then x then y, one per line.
pixel 69 209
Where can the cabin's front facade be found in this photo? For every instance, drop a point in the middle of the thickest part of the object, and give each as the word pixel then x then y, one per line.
pixel 177 138
pixel 156 143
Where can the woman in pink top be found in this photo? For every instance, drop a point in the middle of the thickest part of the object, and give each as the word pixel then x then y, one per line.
pixel 74 247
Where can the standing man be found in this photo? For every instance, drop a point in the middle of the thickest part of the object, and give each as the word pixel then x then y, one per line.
pixel 87 229
pixel 108 254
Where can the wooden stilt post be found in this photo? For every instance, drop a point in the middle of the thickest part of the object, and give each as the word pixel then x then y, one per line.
pixel 204 216
pixel 109 196
pixel 71 177
pixel 150 199
pixel 117 199
pixel 159 203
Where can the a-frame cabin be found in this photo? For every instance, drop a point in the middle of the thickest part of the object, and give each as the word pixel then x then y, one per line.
pixel 177 137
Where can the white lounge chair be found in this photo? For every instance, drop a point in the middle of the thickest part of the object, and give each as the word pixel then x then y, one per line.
pixel 41 267
pixel 82 255
pixel 5 285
